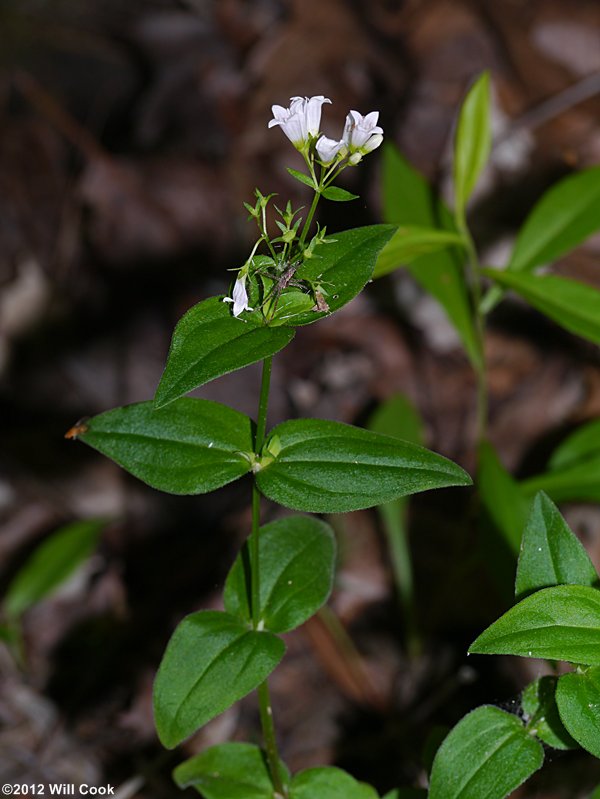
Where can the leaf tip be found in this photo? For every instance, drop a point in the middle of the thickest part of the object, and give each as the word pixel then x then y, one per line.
pixel 79 428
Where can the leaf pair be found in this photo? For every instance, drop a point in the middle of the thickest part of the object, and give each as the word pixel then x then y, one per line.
pixel 194 446
pixel 565 216
pixel 558 616
pixel 491 752
pixel 213 658
pixel 239 771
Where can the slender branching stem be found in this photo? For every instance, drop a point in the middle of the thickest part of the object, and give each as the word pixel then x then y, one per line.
pixel 264 699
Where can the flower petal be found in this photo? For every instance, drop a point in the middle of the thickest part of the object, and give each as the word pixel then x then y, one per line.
pixel 328 149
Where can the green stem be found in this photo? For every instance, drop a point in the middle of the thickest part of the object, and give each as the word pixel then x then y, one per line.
pixel 309 218
pixel 478 313
pixel 393 515
pixel 270 740
pixel 264 699
pixel 261 426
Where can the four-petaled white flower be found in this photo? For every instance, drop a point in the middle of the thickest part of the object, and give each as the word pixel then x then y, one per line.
pixel 301 120
pixel 240 296
pixel 329 149
pixel 362 134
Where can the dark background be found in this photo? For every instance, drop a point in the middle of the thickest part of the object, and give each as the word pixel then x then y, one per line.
pixel 130 134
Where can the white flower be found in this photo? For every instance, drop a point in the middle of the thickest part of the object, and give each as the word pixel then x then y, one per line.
pixel 240 297
pixel 362 133
pixel 301 120
pixel 328 149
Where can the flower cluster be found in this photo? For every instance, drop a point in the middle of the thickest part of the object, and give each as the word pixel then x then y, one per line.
pixel 267 278
pixel 301 124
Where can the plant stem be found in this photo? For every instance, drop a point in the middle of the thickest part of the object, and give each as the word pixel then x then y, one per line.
pixel 393 515
pixel 309 218
pixel 478 314
pixel 270 740
pixel 264 699
pixel 261 426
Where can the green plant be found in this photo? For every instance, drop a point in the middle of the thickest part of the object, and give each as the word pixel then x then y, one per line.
pixel 188 446
pixel 557 616
pixel 47 568
pixel 285 570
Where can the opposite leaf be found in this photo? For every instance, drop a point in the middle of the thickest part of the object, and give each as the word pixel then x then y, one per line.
pixel 338 195
pixel 53 562
pixel 329 467
pixel 211 661
pixel 409 200
pixel 297 561
pixel 488 754
pixel 573 305
pixel 559 623
pixel 538 704
pixel 473 141
pixel 342 266
pixel 209 342
pixel 329 783
pixel 578 700
pixel 191 446
pixel 550 553
pixel 229 771
pixel 564 217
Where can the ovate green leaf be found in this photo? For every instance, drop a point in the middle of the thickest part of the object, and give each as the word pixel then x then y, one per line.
pixel 211 661
pixel 540 712
pixel 473 141
pixel 573 305
pixel 297 560
pixel 229 771
pixel 409 243
pixel 328 467
pixel 564 217
pixel 300 176
pixel 51 564
pixel 343 266
pixel 191 446
pixel 329 783
pixel 488 754
pixel 551 554
pixel 338 195
pixel 559 623
pixel 408 200
pixel 209 342
pixel 578 700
